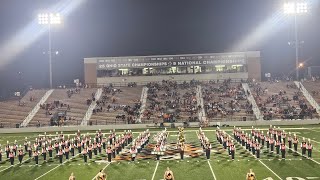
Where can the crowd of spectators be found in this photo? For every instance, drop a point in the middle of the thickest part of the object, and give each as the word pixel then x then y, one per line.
pixel 281 104
pixel 169 101
pixel 109 103
pixel 225 99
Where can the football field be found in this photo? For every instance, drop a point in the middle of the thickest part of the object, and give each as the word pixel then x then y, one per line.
pixel 194 166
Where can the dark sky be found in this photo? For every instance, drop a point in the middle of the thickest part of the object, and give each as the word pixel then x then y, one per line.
pixel 149 27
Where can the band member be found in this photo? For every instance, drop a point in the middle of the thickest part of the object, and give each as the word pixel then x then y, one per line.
pixel 309 148
pixel 251 175
pixel 283 150
pixel 25 144
pixel 84 153
pixel 253 146
pixel 72 149
pixel 79 147
pixel 101 175
pixel 104 142
pixel 262 137
pixel 29 150
pixel 36 156
pixel 303 147
pixel 60 155
pixel 66 151
pixel 278 146
pixel 267 141
pixel 44 154
pixel 50 150
pixel 72 177
pixel 258 147
pixel 56 147
pixel 133 152
pixel 0 154
pixel 283 136
pixel 208 150
pixel 20 155
pixel 109 153
pixel 157 151
pixel 15 147
pixel 232 150
pixel 295 143
pixel 90 151
pixel 274 133
pixel 168 175
pixel 7 149
pixel 290 140
pixel 95 149
pixel 99 147
pixel 11 157
pixel 271 141
pixel 181 150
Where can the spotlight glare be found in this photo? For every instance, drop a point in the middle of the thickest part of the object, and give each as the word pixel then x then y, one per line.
pixel 289 8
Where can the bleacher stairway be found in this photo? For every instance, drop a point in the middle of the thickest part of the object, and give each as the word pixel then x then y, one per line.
pixel 255 108
pixel 308 96
pixel 92 106
pixel 201 113
pixel 36 108
pixel 143 101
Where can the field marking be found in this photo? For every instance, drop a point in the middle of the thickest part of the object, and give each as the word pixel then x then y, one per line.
pixel 155 170
pixel 55 167
pixel 214 176
pixel 270 169
pixel 102 171
pixel 14 165
pixel 255 157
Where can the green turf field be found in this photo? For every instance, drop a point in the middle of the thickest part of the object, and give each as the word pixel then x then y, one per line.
pixel 220 166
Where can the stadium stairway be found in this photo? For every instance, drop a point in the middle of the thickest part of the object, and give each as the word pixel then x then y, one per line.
pixel 92 106
pixel 201 113
pixel 308 96
pixel 36 108
pixel 255 108
pixel 143 101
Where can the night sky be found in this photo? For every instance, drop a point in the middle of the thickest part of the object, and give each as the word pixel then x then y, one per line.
pixel 150 27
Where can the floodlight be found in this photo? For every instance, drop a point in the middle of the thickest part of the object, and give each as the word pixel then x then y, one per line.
pixel 289 8
pixel 301 65
pixel 302 7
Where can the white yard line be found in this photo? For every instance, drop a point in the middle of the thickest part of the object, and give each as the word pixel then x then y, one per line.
pixel 270 169
pixel 14 165
pixel 56 167
pixel 102 171
pixel 214 176
pixel 155 170
pixel 255 157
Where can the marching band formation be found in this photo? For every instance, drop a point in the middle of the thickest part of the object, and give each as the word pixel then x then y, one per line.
pixel 275 141
pixel 64 147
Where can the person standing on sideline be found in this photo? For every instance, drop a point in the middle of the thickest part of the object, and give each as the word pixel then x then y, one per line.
pixel 168 175
pixel 251 175
pixel 72 177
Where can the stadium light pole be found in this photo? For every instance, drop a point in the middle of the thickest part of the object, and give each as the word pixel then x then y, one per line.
pixel 49 19
pixel 296 8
